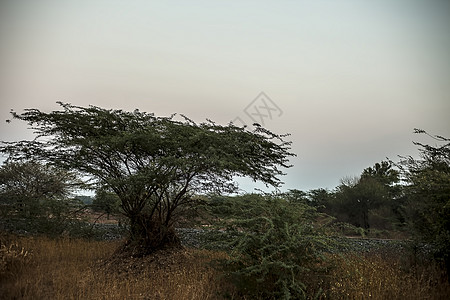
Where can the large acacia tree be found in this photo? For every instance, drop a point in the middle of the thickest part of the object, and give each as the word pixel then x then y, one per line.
pixel 153 164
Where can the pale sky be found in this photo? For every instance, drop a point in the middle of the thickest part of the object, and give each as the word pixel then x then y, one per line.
pixel 348 79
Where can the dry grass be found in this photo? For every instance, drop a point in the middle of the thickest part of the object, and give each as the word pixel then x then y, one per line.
pixel 41 268
pixel 77 269
pixel 376 276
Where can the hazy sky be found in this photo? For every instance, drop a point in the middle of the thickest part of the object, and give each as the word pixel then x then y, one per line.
pixel 348 79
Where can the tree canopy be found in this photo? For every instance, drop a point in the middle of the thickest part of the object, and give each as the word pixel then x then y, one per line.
pixel 154 164
pixel 356 197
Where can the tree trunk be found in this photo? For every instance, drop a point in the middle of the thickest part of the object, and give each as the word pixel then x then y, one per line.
pixel 365 215
pixel 149 234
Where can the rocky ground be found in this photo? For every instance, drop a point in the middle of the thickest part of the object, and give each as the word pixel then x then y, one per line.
pixel 201 238
pixel 216 239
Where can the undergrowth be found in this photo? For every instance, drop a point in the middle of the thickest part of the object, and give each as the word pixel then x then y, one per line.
pixel 44 268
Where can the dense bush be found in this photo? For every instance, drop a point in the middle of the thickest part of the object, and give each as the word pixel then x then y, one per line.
pixel 427 193
pixel 277 246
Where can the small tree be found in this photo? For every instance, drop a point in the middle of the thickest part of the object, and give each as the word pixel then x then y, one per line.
pixel 153 164
pixel 320 198
pixel 34 192
pixel 356 197
pixel 106 201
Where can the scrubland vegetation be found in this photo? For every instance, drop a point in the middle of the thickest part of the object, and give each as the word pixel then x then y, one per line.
pixel 64 268
pixel 160 175
pixel 266 248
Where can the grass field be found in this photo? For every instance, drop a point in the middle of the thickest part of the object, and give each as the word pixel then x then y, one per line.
pixel 43 268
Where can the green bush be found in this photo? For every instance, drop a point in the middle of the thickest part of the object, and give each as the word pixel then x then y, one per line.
pixel 277 249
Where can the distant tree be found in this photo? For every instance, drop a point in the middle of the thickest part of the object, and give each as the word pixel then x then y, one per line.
pixel 295 195
pixel 427 191
pixel 153 164
pixel 87 200
pixel 383 173
pixel 26 187
pixel 321 199
pixel 35 197
pixel 392 206
pixel 106 201
pixel 374 188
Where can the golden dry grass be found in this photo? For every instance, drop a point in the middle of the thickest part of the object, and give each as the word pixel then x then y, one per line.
pixel 42 268
pixel 377 276
pixel 75 269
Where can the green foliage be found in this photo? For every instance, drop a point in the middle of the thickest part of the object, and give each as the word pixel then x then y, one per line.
pixel 276 245
pixel 153 164
pixel 106 201
pixel 29 188
pixel 35 197
pixel 356 199
pixel 383 173
pixel 297 196
pixel 87 200
pixel 427 191
pixel 320 199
